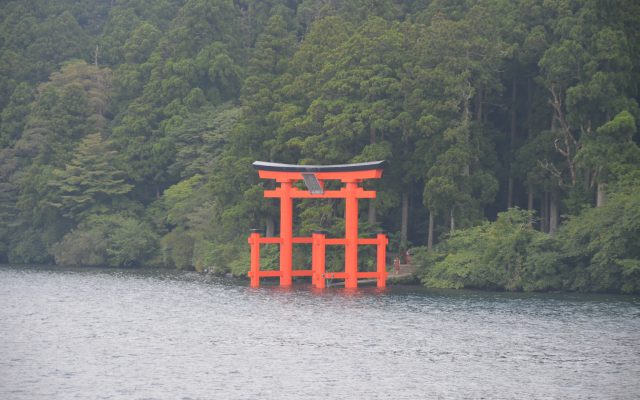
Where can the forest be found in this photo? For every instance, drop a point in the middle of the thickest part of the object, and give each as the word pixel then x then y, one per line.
pixel 510 127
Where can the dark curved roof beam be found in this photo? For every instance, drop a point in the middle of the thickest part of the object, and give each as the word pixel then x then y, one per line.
pixel 269 166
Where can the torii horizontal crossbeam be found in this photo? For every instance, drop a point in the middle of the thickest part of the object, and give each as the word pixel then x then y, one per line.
pixel 295 193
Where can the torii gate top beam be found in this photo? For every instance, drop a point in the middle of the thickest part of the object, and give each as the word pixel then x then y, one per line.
pixel 342 172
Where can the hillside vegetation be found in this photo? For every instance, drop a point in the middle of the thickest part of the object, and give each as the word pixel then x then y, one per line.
pixel 128 129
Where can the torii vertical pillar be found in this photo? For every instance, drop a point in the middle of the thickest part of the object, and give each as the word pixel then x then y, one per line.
pixel 351 237
pixel 286 234
pixel 318 259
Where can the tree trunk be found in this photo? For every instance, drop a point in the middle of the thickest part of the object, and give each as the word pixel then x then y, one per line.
pixel 544 213
pixel 601 197
pixel 513 113
pixel 430 231
pixel 405 220
pixel 554 213
pixel 452 226
pixel 529 106
pixel 512 142
pixel 568 146
pixel 530 207
pixel 271 226
pixel 510 193
pixel 371 216
pixel 478 105
pixel 372 135
pixel 586 179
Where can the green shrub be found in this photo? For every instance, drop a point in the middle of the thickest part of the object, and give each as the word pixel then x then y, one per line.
pixel 505 255
pixel 602 244
pixel 82 247
pixel 28 248
pixel 114 240
pixel 177 249
pixel 131 242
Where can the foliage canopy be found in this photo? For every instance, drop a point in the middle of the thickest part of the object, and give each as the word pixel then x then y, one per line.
pixel 127 131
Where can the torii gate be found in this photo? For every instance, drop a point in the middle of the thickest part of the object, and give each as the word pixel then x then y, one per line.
pixel 314 177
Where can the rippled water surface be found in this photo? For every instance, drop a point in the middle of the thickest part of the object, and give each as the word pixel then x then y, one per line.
pixel 96 334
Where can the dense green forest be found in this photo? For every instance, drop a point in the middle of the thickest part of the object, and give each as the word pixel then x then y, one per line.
pixel 128 129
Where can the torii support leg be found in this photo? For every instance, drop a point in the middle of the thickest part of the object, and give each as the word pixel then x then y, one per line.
pixel 318 259
pixel 286 234
pixel 351 236
pixel 382 260
pixel 254 273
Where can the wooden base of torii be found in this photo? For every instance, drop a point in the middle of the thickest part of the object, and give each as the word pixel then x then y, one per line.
pixel 314 177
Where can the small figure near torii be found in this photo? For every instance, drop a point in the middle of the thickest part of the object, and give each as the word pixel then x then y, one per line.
pixel 396 265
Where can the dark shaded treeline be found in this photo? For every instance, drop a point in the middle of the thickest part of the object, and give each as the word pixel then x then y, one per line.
pixel 128 129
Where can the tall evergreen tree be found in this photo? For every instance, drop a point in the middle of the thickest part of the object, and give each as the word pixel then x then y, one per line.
pixel 89 184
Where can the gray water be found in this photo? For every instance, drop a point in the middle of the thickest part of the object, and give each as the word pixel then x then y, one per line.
pixel 105 334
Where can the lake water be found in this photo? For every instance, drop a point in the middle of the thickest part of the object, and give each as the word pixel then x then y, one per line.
pixel 119 334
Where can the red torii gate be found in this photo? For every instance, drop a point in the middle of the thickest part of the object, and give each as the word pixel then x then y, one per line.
pixel 314 177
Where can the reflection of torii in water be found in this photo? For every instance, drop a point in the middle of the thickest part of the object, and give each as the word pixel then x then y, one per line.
pixel 314 178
